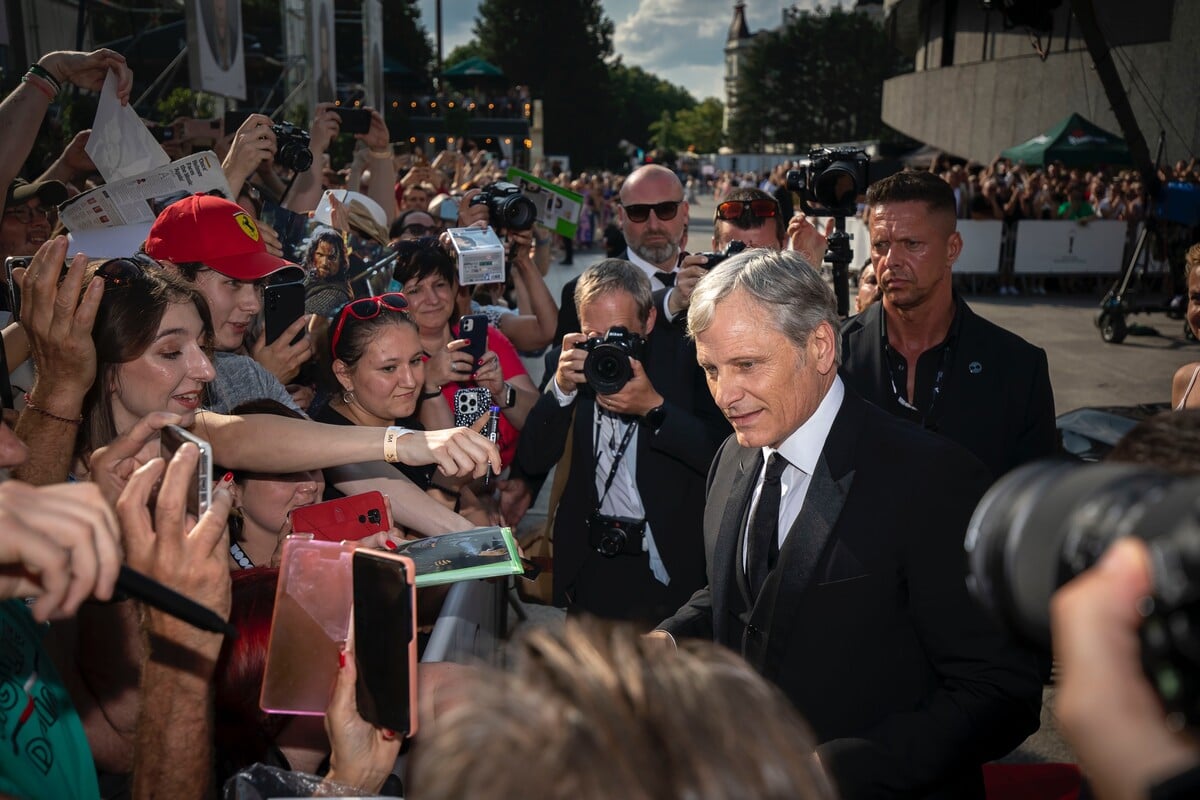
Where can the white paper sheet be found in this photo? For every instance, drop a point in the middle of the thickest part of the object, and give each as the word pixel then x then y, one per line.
pixel 120 144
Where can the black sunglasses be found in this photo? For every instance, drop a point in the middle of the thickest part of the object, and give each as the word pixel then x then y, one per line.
pixel 124 271
pixel 640 212
pixel 732 210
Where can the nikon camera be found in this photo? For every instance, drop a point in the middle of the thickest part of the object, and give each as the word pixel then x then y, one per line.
pixel 607 366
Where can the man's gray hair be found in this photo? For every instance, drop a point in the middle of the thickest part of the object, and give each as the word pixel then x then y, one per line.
pixel 791 291
pixel 610 275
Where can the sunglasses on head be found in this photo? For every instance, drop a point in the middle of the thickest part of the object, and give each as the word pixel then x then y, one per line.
pixel 123 271
pixel 640 212
pixel 732 210
pixel 365 309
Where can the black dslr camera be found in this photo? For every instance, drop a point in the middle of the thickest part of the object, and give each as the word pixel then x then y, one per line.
pixel 830 182
pixel 291 147
pixel 507 207
pixel 1044 523
pixel 614 536
pixel 607 366
pixel 731 249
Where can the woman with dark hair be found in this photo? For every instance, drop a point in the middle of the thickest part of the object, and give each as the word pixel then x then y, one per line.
pixel 430 280
pixel 263 501
pixel 152 335
pixel 327 287
pixel 379 371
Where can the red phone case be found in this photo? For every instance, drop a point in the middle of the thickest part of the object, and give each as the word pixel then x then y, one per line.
pixel 344 519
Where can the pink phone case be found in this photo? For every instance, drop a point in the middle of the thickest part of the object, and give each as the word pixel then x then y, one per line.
pixel 311 622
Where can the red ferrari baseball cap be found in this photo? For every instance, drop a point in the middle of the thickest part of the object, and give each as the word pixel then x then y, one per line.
pixel 217 233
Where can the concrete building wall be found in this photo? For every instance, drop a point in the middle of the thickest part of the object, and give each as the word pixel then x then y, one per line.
pixel 978 107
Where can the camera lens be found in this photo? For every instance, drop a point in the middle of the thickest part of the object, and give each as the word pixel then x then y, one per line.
pixel 1044 523
pixel 517 212
pixel 607 369
pixel 611 542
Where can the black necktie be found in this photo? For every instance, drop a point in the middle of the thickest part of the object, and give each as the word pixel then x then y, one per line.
pixel 667 278
pixel 763 545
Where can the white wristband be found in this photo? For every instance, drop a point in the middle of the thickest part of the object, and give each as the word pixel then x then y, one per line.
pixel 391 439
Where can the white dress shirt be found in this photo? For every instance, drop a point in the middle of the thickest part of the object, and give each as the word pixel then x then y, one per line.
pixel 802 449
pixel 623 498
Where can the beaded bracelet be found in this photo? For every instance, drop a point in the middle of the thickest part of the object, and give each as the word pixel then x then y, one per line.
pixel 39 84
pixel 50 415
pixel 44 74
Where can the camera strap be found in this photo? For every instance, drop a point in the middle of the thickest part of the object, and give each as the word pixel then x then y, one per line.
pixel 617 456
pixel 927 418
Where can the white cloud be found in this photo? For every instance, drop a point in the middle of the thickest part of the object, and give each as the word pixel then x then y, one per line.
pixel 681 41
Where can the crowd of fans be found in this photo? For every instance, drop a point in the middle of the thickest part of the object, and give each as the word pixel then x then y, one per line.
pixel 359 394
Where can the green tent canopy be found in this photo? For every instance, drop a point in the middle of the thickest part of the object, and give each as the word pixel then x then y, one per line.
pixel 1075 142
pixel 473 68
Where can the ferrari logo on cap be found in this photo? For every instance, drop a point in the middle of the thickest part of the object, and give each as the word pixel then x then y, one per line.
pixel 247 225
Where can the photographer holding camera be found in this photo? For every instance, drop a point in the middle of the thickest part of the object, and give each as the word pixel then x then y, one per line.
pixel 631 403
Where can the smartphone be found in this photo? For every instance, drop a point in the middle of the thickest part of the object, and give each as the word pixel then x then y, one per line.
pixel 470 404
pixel 14 291
pixel 283 304
pixel 310 623
pixel 385 644
pixel 354 120
pixel 200 493
pixel 474 327
pixel 344 519
pixel 448 210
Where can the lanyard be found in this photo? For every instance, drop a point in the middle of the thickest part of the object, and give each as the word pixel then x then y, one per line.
pixel 927 419
pixel 612 471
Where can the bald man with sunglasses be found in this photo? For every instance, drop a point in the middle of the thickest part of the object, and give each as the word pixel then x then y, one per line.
pixel 653 216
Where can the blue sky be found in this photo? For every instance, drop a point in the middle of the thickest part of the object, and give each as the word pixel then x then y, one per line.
pixel 679 40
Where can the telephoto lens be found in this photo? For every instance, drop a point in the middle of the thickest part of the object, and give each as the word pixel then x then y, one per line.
pixel 1044 523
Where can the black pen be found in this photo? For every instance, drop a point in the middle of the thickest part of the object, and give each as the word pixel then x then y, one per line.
pixel 151 592
pixel 493 432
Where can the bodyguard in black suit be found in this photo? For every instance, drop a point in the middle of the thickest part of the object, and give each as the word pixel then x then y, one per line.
pixel 834 546
pixel 674 429
pixel 924 355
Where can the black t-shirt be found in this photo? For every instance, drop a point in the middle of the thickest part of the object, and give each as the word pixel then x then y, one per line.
pixel 421 476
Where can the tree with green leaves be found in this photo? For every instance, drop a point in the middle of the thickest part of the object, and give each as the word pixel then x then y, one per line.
pixel 559 50
pixel 463 52
pixel 640 100
pixel 700 128
pixel 817 79
pixel 406 40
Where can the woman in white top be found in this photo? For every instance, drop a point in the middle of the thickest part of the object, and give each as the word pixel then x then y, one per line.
pixel 1182 387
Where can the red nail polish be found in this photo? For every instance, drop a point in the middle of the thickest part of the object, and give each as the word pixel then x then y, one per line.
pixel 341 659
pixel 388 734
pixel 227 478
pixel 389 544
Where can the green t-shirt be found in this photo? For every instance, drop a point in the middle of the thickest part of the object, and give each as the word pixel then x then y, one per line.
pixel 43 749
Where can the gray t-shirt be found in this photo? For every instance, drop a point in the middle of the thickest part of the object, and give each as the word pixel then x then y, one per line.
pixel 241 379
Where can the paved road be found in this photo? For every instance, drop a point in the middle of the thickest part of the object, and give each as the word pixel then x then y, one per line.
pixel 1083 369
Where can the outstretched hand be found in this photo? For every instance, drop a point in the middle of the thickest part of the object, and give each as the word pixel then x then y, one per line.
pixel 88 70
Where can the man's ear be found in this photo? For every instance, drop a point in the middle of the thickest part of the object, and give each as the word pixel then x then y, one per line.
pixel 650 319
pixel 954 246
pixel 822 348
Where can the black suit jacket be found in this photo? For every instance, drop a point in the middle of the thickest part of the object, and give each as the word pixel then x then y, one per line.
pixel 866 623
pixel 568 315
pixel 996 399
pixel 671 468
